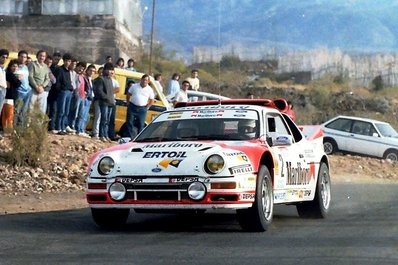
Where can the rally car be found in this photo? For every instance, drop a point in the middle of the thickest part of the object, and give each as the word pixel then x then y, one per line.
pixel 244 155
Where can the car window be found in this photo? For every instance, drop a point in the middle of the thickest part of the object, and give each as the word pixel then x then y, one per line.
pixel 277 124
pixel 361 127
pixel 387 130
pixel 340 124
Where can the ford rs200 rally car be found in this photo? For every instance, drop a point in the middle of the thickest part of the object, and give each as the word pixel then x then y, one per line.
pixel 243 155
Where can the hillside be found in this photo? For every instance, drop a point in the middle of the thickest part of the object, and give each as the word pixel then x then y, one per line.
pixel 281 25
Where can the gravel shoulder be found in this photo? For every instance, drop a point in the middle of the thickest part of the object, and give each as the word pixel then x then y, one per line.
pixel 26 190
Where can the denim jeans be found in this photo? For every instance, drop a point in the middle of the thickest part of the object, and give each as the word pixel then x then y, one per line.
pixel 21 105
pixel 2 98
pixel 63 107
pixel 105 116
pixel 82 112
pixel 135 116
pixel 75 106
pixel 51 112
pixel 111 128
pixel 97 118
pixel 86 113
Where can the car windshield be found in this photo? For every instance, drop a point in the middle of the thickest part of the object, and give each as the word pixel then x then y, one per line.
pixel 200 129
pixel 386 130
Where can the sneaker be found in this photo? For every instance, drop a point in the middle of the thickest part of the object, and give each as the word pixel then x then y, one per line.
pixel 61 133
pixel 82 134
pixel 108 139
pixel 54 131
pixel 103 139
pixel 70 130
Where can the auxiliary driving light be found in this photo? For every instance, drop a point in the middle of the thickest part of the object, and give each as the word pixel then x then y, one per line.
pixel 196 191
pixel 117 191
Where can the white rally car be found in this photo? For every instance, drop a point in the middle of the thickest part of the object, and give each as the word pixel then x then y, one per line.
pixel 243 155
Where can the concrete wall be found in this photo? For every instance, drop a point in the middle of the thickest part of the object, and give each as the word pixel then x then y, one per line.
pixel 89 29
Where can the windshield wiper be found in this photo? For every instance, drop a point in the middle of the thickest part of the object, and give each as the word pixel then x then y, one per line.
pixel 155 139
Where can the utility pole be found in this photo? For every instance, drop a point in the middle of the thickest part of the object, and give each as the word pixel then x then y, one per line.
pixel 152 30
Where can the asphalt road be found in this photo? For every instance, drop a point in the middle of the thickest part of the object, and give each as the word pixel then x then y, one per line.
pixel 362 228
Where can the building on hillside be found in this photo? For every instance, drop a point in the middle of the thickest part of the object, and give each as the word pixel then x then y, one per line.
pixel 89 29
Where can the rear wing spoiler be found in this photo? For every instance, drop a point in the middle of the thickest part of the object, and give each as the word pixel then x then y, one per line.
pixel 311 132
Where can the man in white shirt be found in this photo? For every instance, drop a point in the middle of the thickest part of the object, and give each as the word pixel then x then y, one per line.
pixel 140 97
pixel 182 95
pixel 194 80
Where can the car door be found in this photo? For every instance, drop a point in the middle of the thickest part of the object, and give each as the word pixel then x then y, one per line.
pixel 363 139
pixel 340 130
pixel 290 161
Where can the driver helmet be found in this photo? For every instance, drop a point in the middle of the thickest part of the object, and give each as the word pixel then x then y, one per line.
pixel 247 128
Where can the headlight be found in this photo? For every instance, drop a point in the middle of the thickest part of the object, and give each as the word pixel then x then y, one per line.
pixel 214 164
pixel 117 191
pixel 105 165
pixel 196 191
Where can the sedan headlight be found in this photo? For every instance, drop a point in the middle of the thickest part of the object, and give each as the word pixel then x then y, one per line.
pixel 117 191
pixel 214 164
pixel 105 165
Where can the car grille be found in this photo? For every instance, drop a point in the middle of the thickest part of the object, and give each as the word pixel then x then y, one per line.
pixel 167 191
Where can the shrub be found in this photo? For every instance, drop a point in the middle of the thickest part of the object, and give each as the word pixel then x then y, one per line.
pixel 29 141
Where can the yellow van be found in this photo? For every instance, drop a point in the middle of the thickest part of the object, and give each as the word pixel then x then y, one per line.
pixel 125 77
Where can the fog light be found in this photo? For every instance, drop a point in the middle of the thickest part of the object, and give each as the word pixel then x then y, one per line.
pixel 117 191
pixel 196 191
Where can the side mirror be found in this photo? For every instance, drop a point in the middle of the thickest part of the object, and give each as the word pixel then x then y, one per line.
pixel 275 139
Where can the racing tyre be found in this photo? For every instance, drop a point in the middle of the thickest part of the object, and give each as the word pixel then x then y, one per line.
pixel 110 218
pixel 329 146
pixel 319 207
pixel 391 154
pixel 259 216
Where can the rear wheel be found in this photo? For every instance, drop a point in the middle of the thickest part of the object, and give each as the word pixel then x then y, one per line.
pixel 329 146
pixel 110 218
pixel 319 207
pixel 259 216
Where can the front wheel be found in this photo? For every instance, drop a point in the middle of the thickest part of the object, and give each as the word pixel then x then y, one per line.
pixel 110 218
pixel 258 217
pixel 329 146
pixel 319 207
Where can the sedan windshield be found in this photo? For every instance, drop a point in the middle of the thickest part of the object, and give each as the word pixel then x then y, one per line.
pixel 386 130
pixel 200 129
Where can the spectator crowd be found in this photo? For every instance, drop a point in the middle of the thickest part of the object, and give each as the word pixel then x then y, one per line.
pixel 65 93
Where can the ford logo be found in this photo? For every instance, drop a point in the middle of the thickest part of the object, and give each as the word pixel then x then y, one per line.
pixel 156 170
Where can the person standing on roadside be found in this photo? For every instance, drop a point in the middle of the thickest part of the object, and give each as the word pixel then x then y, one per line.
pixel 24 90
pixel 194 80
pixel 158 80
pixel 3 81
pixel 64 87
pixel 140 98
pixel 38 80
pixel 173 86
pixel 130 65
pixel 13 83
pixel 104 94
pixel 182 95
pixel 53 93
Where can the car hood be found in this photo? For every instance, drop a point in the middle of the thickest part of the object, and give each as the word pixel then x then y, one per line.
pixel 175 158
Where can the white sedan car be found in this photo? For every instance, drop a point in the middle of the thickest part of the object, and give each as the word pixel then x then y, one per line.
pixel 360 136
